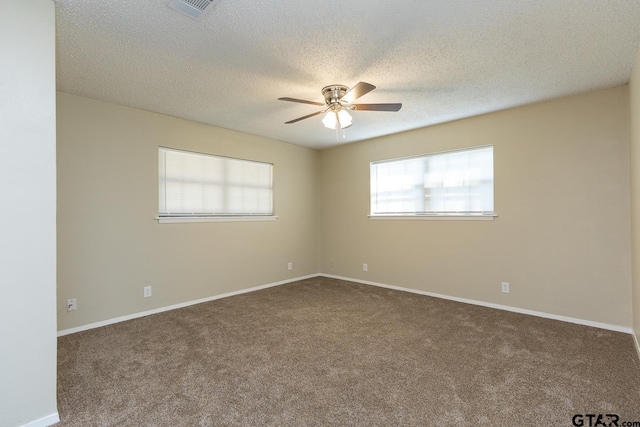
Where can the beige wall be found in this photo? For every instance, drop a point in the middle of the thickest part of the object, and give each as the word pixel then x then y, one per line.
pixel 110 245
pixel 562 237
pixel 28 214
pixel 634 114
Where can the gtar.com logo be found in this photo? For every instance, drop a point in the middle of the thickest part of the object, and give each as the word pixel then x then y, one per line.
pixel 594 420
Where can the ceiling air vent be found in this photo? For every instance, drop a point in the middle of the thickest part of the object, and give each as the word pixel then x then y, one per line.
pixel 192 8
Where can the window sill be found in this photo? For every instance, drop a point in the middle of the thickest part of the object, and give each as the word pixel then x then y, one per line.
pixel 182 219
pixel 442 217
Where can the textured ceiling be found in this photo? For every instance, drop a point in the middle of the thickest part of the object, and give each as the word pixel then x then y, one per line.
pixel 443 59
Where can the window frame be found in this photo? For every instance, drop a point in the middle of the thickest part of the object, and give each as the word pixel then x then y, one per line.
pixel 441 215
pixel 169 218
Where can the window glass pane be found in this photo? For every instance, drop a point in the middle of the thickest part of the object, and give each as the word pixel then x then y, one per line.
pixel 201 184
pixel 399 185
pixel 452 182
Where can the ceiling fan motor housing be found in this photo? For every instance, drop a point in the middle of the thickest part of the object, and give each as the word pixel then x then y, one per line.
pixel 333 93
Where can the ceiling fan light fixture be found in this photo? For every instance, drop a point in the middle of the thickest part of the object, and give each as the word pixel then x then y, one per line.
pixel 344 119
pixel 330 119
pixel 337 119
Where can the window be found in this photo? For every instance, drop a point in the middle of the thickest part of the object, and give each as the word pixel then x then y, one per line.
pixel 454 183
pixel 194 185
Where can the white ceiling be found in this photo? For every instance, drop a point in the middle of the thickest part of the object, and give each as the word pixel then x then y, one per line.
pixel 443 59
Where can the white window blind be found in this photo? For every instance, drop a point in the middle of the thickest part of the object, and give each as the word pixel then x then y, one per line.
pixel 194 184
pixel 450 183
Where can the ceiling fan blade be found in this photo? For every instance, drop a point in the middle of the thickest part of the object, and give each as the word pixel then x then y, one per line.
pixel 303 117
pixel 302 101
pixel 378 107
pixel 357 91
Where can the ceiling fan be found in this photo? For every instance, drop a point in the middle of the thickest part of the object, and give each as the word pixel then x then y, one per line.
pixel 338 100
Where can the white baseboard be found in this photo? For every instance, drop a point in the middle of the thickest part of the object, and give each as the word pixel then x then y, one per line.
pixel 492 305
pixel 47 421
pixel 175 306
pixel 635 339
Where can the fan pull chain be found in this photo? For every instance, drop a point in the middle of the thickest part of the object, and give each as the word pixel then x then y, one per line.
pixel 337 139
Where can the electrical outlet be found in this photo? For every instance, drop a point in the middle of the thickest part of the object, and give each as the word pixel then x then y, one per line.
pixel 72 304
pixel 147 291
pixel 365 267
pixel 505 287
pixel 290 266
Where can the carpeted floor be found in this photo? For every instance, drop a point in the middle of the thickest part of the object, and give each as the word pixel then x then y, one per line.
pixel 329 352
